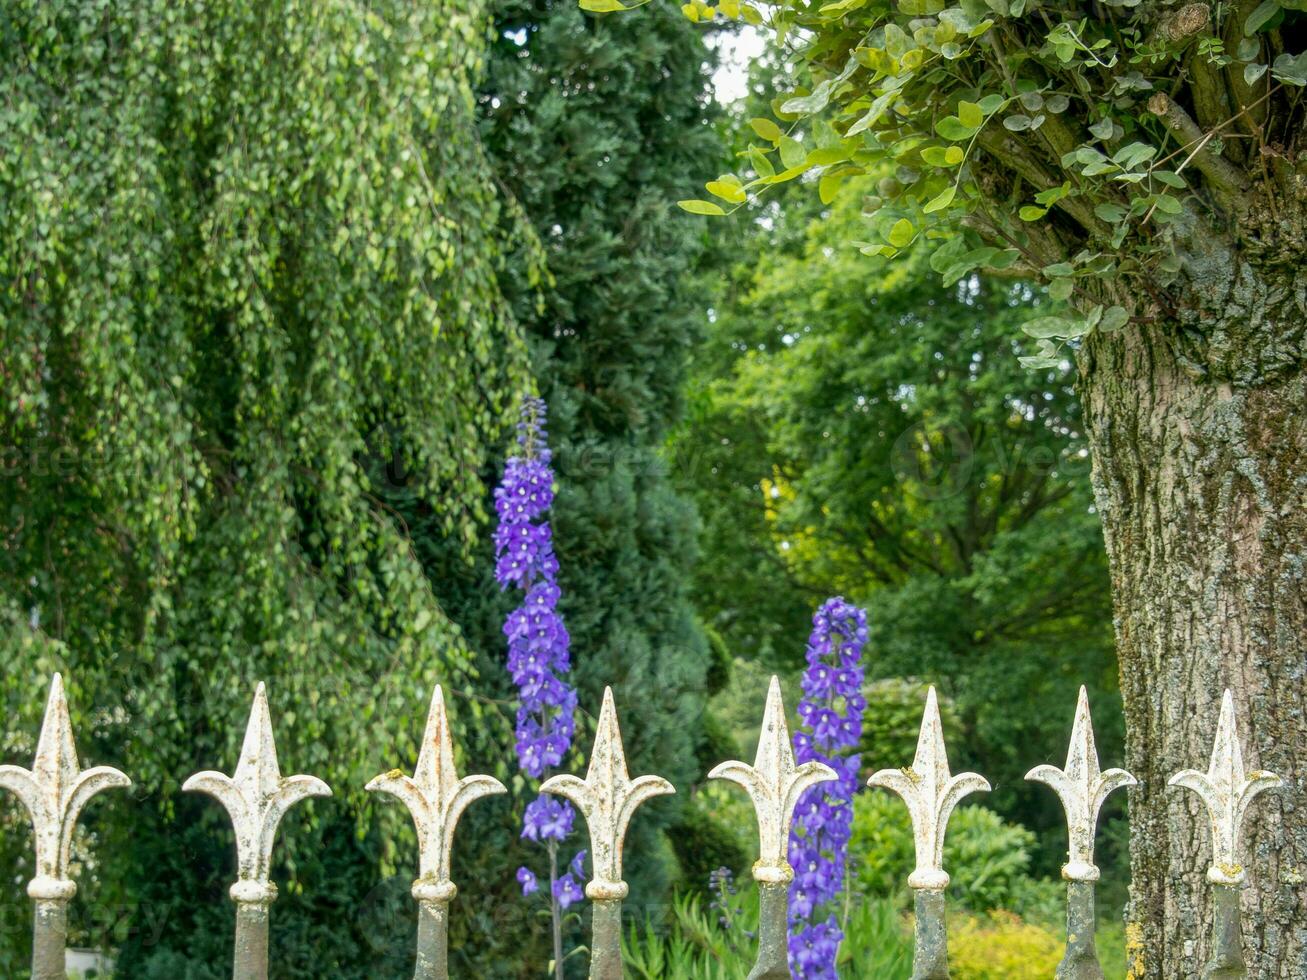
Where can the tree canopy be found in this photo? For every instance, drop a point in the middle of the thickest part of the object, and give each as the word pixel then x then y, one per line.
pixel 1113 151
pixel 859 429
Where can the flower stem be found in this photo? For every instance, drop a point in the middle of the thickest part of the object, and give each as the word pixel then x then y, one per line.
pixel 555 912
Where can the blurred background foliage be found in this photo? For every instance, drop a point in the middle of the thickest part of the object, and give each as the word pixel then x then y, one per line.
pixel 273 278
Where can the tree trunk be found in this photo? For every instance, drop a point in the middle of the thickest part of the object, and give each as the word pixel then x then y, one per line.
pixel 1199 435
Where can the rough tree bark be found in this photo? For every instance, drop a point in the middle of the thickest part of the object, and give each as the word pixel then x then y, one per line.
pixel 1199 433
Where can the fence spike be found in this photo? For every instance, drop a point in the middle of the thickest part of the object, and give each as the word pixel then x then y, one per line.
pixel 608 797
pixel 1226 789
pixel 930 793
pixel 256 797
pixel 1082 787
pixel 775 785
pixel 435 797
pixel 54 791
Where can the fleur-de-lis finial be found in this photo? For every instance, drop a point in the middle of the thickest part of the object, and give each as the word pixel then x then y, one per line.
pixel 608 796
pixel 1227 790
pixel 435 797
pixel 1082 788
pixel 775 784
pixel 930 793
pixel 54 791
pixel 256 797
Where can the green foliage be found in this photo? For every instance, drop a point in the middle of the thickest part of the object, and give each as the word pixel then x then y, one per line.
pixel 988 859
pixel 857 428
pixel 248 251
pixel 1103 151
pixel 892 721
pixel 1002 947
pixel 717 943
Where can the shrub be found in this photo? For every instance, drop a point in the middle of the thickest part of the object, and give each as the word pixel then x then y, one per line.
pixel 1002 947
pixel 988 859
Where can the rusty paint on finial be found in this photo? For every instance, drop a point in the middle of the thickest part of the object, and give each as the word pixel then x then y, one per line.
pixel 930 793
pixel 1082 788
pixel 608 797
pixel 435 797
pixel 775 785
pixel 1227 790
pixel 54 791
pixel 256 797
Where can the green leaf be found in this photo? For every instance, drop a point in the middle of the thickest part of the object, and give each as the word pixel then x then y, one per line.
pixel 1260 17
pixel 829 186
pixel 951 128
pixel 1031 213
pixel 1114 318
pixel 762 164
pixel 807 105
pixel 940 201
pixel 767 129
pixel 602 6
pixel 1169 205
pixel 1111 213
pixel 1291 69
pixel 1059 269
pixel 1047 326
pixel 901 233
pixel 727 191
pixel 1253 72
pixel 700 207
pixel 792 152
pixel 970 115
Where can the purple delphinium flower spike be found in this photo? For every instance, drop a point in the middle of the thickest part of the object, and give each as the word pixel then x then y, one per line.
pixel 830 715
pixel 539 656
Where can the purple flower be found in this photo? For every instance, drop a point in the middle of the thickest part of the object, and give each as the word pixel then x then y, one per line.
pixel 577 867
pixel 538 643
pixel 831 717
pixel 567 891
pixel 547 818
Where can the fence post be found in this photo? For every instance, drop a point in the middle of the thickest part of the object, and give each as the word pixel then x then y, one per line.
pixel 54 791
pixel 1226 790
pixel 608 797
pixel 435 797
pixel 256 797
pixel 930 793
pixel 775 785
pixel 1082 788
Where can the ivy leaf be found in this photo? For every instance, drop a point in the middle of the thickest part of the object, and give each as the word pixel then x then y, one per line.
pixel 700 207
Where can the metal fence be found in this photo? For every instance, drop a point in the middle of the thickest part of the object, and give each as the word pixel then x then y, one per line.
pixel 257 795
